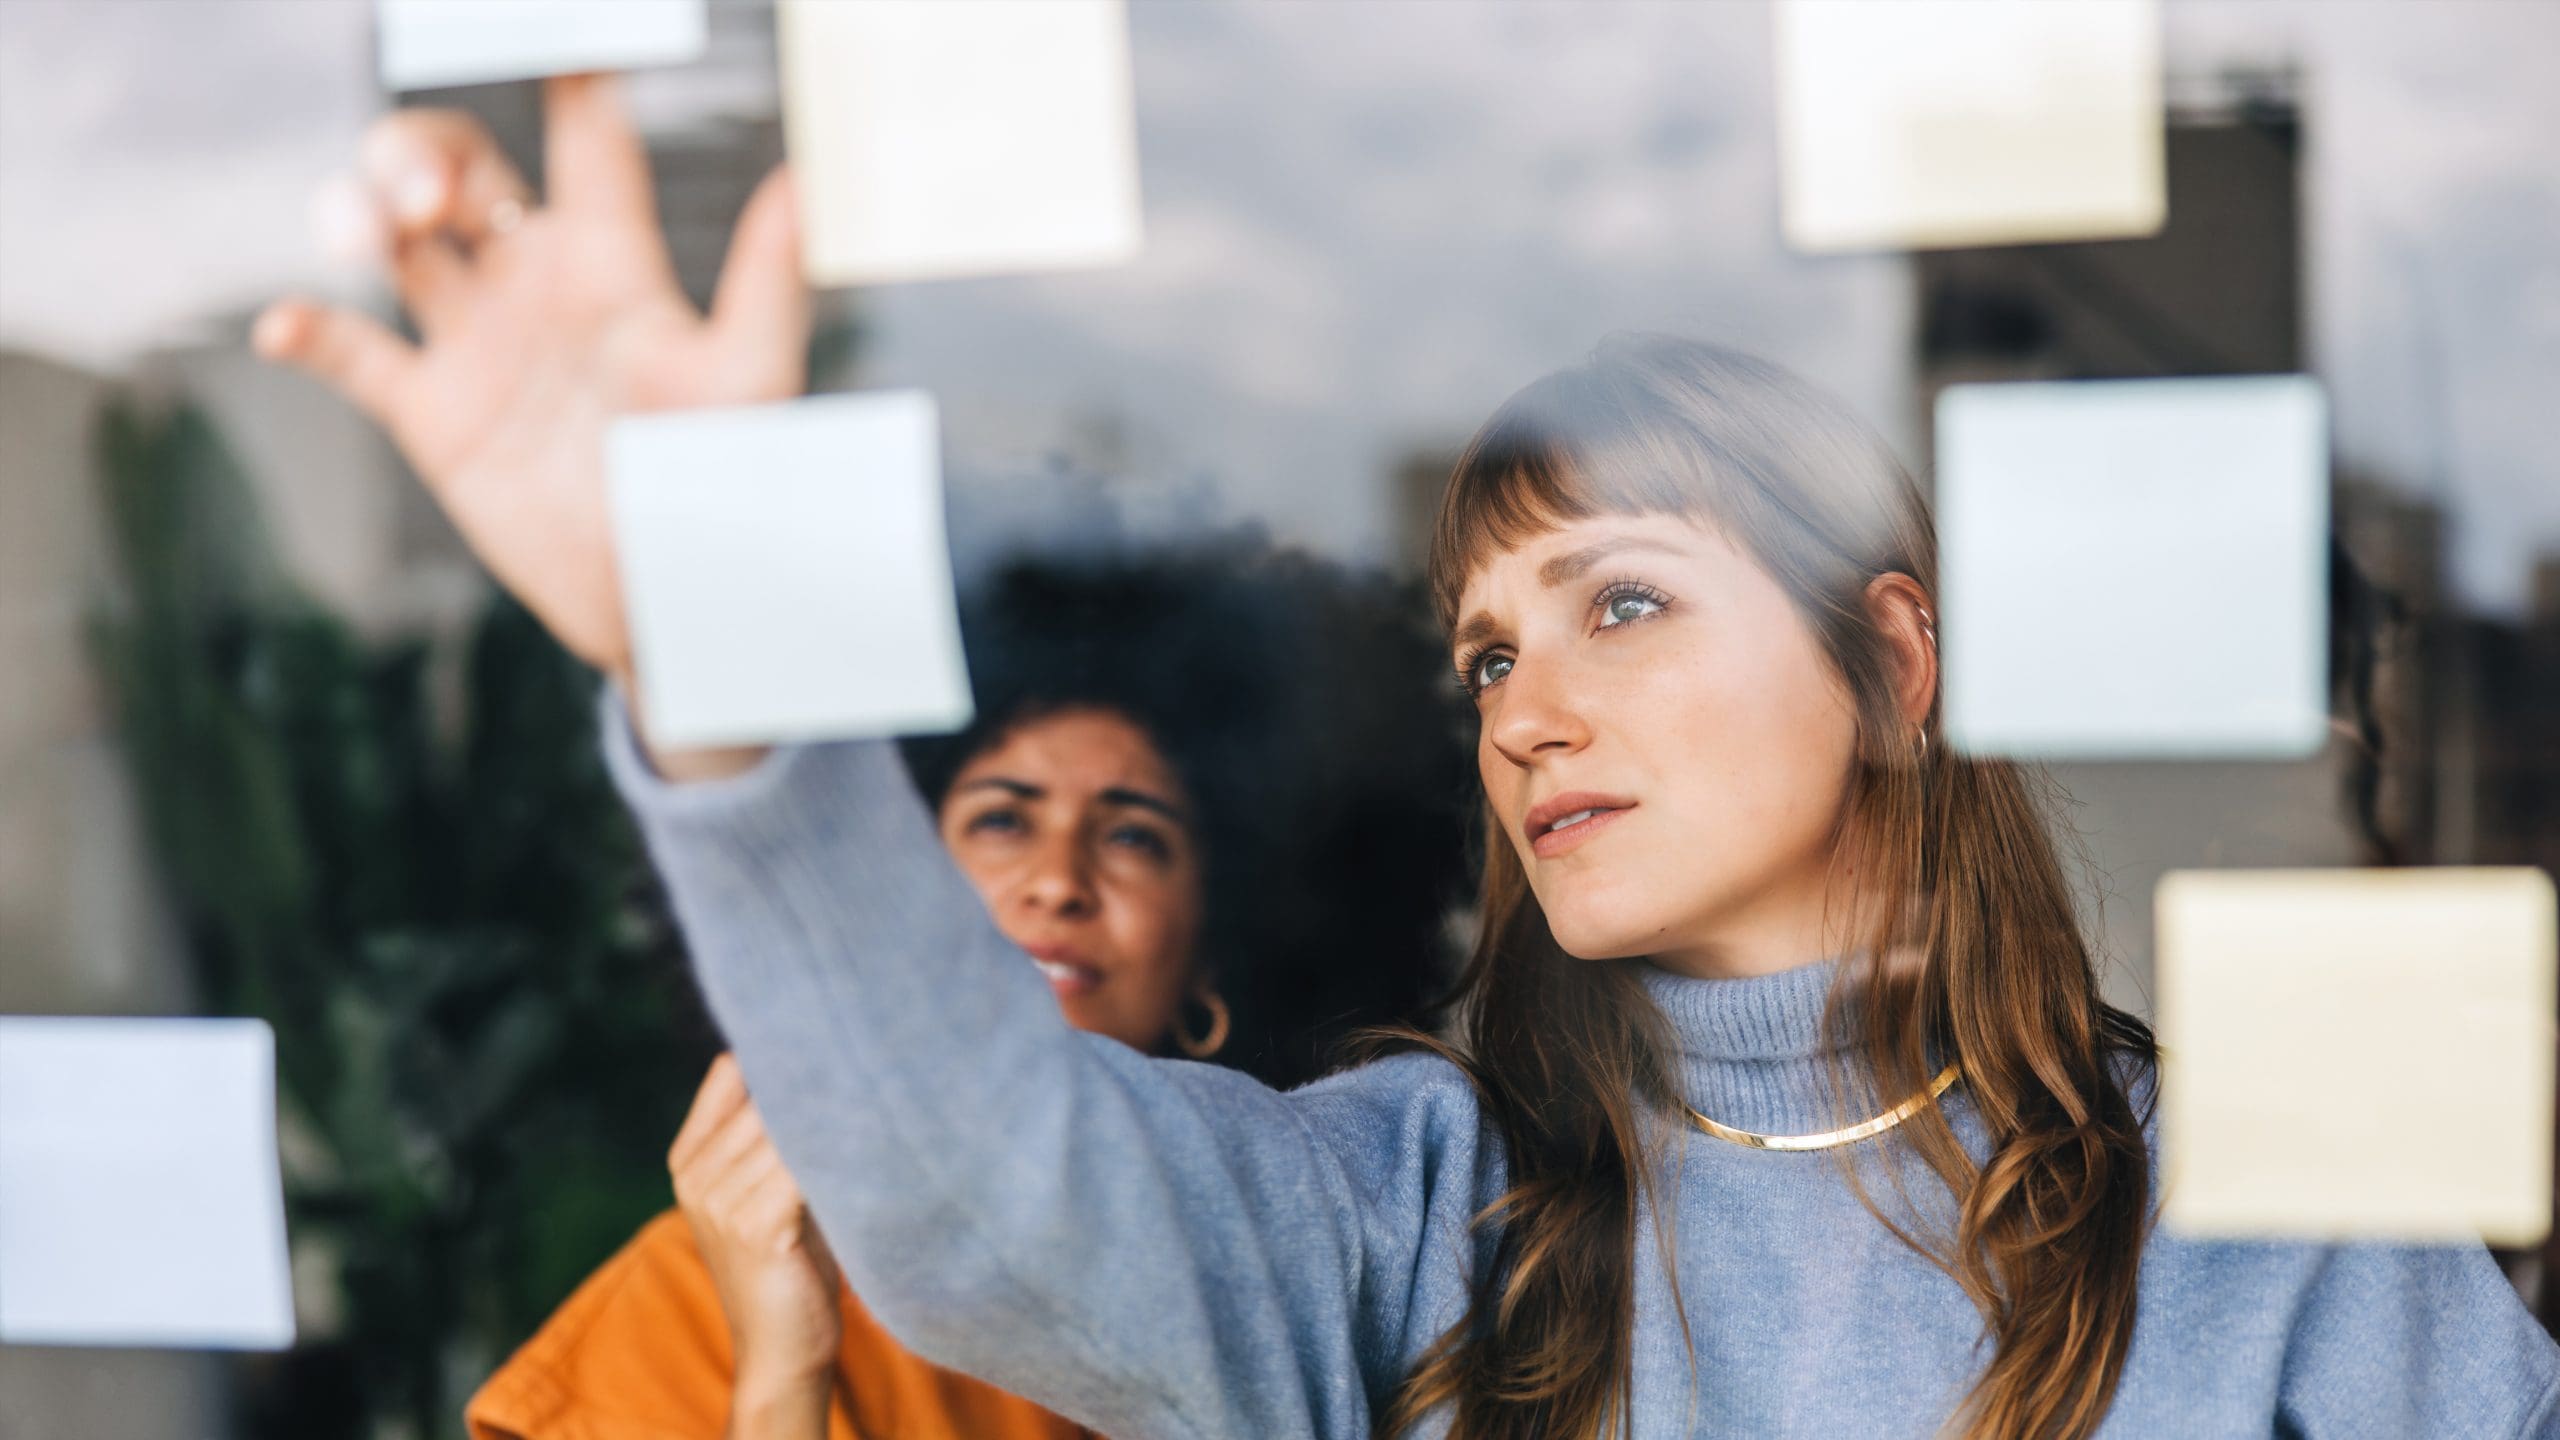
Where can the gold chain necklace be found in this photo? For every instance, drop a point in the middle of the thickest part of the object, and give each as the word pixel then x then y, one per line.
pixel 1826 1139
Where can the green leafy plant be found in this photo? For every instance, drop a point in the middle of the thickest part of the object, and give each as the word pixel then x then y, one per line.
pixel 485 1035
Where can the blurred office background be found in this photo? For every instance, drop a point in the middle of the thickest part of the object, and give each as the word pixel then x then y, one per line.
pixel 1366 224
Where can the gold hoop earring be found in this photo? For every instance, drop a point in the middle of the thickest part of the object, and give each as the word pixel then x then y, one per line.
pixel 1204 1046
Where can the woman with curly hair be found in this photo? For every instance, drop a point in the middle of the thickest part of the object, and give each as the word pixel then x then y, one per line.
pixel 1145 808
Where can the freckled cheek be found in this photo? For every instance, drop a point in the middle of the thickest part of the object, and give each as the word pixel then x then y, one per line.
pixel 1724 754
pixel 1796 770
pixel 1681 719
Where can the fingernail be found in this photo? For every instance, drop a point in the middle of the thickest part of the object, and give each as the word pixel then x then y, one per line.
pixel 344 224
pixel 273 329
pixel 417 193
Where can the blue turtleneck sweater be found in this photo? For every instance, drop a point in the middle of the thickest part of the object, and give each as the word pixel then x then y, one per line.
pixel 1157 1248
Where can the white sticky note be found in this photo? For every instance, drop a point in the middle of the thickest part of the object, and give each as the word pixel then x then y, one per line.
pixel 429 43
pixel 2358 1053
pixel 140 1199
pixel 1968 122
pixel 786 570
pixel 2135 568
pixel 933 140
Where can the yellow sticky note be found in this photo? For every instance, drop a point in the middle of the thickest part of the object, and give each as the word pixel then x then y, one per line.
pixel 2358 1053
pixel 931 139
pixel 1968 122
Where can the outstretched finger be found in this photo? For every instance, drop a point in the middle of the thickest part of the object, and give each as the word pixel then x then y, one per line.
pixel 760 313
pixel 440 172
pixel 723 1090
pixel 592 156
pixel 355 355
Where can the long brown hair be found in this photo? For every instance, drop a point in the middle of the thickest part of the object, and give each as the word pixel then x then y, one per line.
pixel 1978 958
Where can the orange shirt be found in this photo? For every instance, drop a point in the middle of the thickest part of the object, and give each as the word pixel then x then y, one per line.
pixel 641 1352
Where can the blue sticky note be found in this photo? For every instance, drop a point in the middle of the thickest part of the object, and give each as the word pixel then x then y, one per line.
pixel 2135 568
pixel 141 1201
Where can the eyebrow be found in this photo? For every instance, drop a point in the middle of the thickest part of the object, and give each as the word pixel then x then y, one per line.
pixel 1478 628
pixel 1574 564
pixel 1571 565
pixel 1118 795
pixel 1141 800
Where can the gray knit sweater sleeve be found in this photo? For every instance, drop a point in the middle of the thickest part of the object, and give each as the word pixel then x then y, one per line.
pixel 1150 1247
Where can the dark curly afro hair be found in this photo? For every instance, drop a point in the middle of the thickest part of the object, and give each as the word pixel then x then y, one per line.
pixel 1304 707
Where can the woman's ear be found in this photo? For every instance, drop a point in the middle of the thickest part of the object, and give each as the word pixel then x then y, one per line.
pixel 1903 615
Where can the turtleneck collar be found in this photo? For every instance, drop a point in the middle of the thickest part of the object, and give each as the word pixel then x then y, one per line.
pixel 1752 1051
pixel 1762 1017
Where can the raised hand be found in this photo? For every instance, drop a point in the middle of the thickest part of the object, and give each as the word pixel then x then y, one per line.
pixel 777 1282
pixel 539 325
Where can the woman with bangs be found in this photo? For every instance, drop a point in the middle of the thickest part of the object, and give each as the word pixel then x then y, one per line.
pixel 1781 1100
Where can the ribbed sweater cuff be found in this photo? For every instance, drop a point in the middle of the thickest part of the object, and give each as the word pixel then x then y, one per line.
pixel 658 798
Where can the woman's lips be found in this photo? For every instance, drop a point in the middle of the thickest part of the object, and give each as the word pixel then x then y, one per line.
pixel 1067 971
pixel 1069 980
pixel 1558 827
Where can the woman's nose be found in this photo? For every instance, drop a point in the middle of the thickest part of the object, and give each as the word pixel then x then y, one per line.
pixel 1058 878
pixel 1535 715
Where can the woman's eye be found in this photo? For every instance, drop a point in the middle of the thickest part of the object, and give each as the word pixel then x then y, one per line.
pixel 1143 840
pixel 993 821
pixel 1627 605
pixel 1491 670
